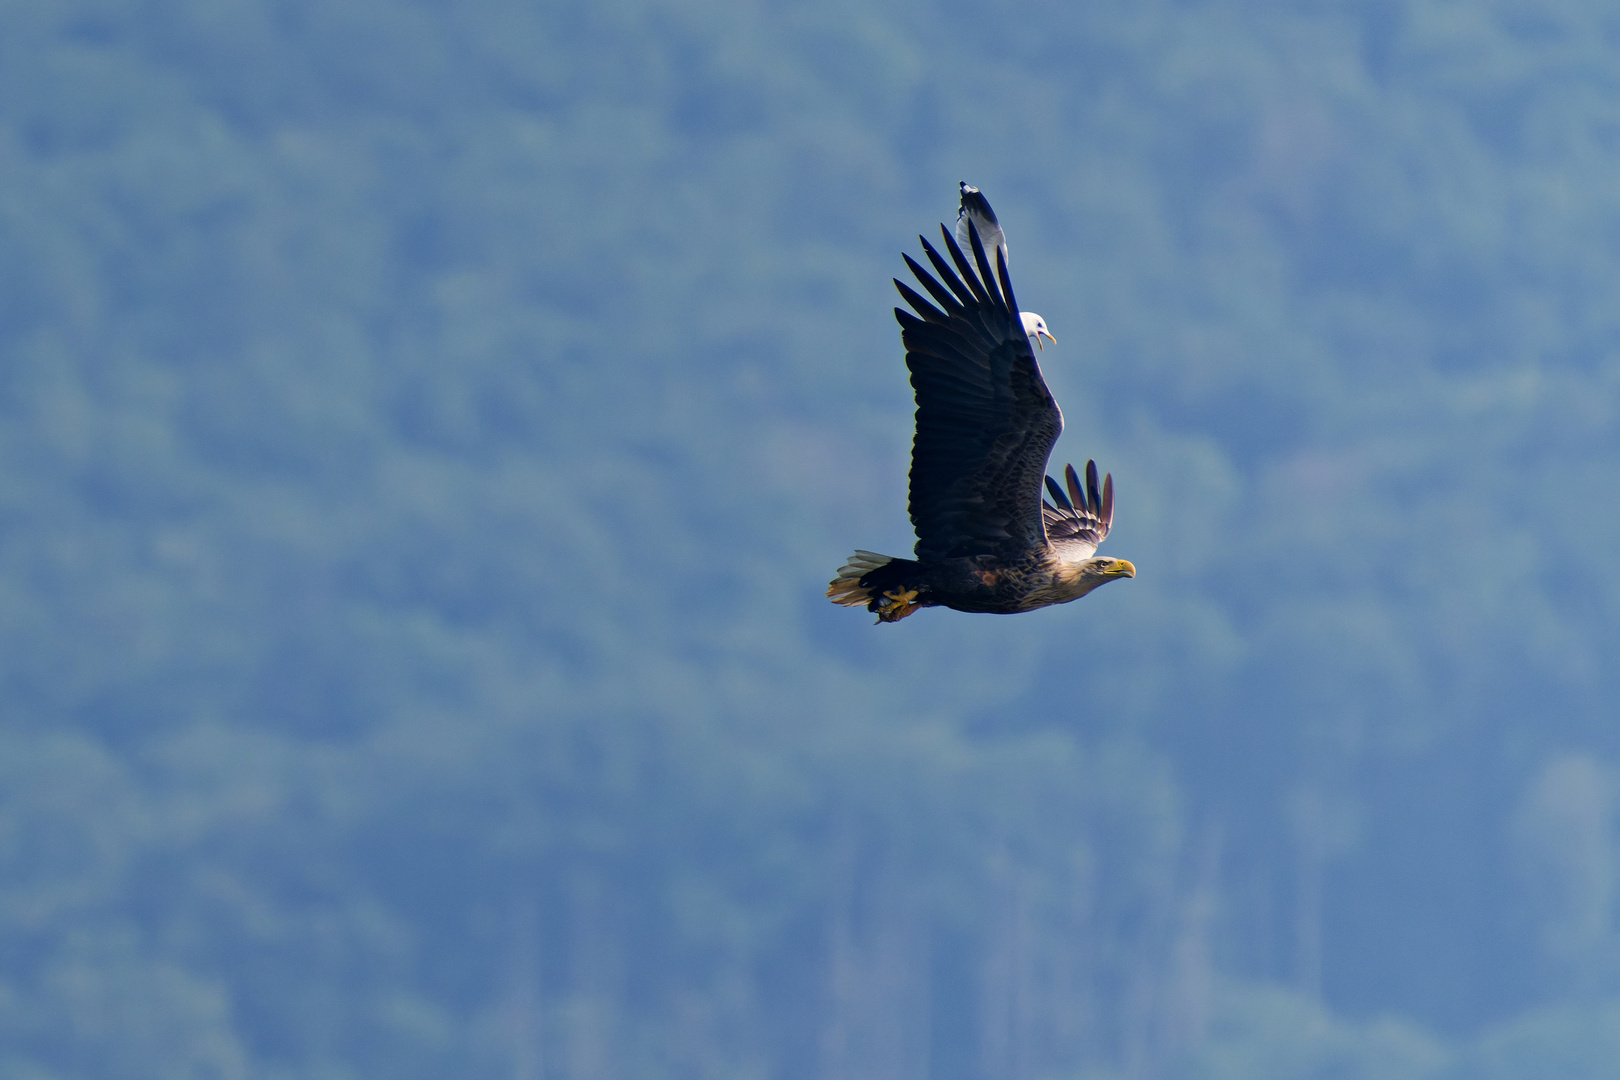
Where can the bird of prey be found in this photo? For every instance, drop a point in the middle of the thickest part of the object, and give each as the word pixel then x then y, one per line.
pixel 986 540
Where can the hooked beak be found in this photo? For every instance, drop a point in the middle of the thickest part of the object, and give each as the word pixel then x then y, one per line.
pixel 1038 334
pixel 1122 568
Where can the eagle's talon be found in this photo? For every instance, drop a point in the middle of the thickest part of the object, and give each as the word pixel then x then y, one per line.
pixel 899 605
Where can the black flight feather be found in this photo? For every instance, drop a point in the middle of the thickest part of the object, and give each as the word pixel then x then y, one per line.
pixel 924 308
pixel 992 291
pixel 961 262
pixel 1076 492
pixel 1057 495
pixel 1006 284
pixel 947 275
pixel 951 305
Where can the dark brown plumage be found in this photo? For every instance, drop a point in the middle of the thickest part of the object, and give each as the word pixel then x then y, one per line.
pixel 986 424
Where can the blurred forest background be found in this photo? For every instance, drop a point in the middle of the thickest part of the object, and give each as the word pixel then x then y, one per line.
pixel 427 429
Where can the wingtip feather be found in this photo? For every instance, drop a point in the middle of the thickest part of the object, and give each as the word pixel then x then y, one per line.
pixel 1057 494
pixel 1006 281
pixel 1076 492
pixel 968 276
pixel 982 264
pixel 928 311
pixel 964 294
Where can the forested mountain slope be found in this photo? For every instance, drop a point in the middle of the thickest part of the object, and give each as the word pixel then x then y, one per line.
pixel 426 431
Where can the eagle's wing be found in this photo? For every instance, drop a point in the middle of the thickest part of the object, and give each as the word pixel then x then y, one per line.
pixel 985 419
pixel 1080 518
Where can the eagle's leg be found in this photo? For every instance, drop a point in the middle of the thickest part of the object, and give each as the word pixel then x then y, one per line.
pixel 896 605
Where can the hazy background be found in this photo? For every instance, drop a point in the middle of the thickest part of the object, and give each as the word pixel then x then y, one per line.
pixel 427 430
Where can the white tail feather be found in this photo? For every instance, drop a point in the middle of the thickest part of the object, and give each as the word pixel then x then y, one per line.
pixel 846 587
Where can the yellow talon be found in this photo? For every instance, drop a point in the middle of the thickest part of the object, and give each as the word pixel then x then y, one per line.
pixel 899 607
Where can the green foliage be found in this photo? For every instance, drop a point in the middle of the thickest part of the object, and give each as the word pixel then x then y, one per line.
pixel 426 429
pixel 1565 1043
pixel 1264 1033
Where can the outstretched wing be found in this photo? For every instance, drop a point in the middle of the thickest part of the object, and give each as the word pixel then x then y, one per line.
pixel 985 419
pixel 1081 518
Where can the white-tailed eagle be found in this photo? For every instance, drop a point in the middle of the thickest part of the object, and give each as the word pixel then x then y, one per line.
pixel 986 423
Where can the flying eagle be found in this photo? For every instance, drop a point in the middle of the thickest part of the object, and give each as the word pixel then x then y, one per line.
pixel 986 540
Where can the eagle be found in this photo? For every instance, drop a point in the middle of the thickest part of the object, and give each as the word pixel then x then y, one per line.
pixel 986 539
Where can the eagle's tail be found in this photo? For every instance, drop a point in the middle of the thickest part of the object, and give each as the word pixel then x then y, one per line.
pixel 877 583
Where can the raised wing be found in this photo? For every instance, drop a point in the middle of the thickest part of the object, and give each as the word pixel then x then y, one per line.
pixel 985 419
pixel 1080 518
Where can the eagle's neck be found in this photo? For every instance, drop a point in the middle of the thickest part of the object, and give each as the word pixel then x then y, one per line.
pixel 1071 581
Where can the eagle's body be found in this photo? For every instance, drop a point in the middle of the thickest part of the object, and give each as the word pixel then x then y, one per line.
pixel 986 424
pixel 982 583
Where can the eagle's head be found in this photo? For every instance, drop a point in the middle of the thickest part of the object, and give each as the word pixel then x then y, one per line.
pixel 1078 579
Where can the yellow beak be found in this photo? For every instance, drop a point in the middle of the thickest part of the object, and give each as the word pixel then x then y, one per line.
pixel 1122 568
